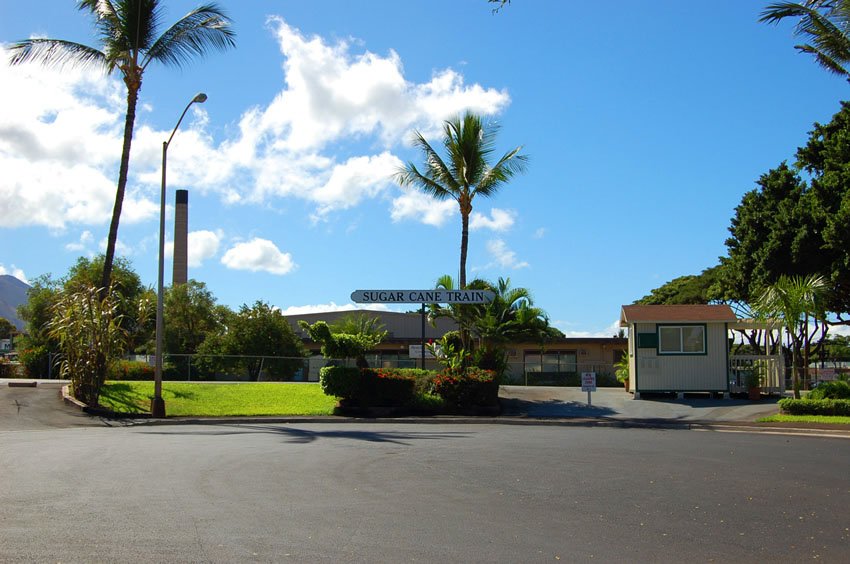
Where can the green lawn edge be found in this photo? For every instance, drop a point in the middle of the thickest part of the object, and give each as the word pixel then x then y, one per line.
pixel 192 399
pixel 829 419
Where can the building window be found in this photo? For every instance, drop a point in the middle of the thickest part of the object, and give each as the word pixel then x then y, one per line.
pixel 681 339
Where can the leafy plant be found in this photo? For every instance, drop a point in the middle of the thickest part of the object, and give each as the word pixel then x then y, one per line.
pixel 470 387
pixel 621 367
pixel 35 361
pixel 90 338
pixel 343 345
pixel 815 406
pixel 837 389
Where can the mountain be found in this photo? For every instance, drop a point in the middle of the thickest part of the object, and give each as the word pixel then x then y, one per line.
pixel 13 293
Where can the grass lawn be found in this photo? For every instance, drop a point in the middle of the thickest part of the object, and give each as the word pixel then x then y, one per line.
pixel 806 419
pixel 214 400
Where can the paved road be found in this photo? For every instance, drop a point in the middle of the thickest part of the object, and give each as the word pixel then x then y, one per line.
pixel 614 403
pixel 39 408
pixel 361 492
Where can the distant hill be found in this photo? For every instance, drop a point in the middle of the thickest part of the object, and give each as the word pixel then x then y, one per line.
pixel 13 293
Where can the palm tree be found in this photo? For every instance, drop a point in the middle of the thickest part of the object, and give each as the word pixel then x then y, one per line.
pixel 466 173
pixel 795 301
pixel 824 23
pixel 127 30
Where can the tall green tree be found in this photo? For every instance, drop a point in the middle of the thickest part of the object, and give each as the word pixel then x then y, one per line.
pixel 256 338
pixel 191 313
pixel 700 288
pixel 129 32
pixel 465 172
pixel 824 26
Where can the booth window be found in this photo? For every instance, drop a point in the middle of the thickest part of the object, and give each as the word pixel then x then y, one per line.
pixel 681 339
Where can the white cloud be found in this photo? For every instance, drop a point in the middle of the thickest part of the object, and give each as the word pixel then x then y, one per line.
pixel 14 271
pixel 202 245
pixel 82 244
pixel 503 256
pixel 499 220
pixel 609 331
pixel 540 233
pixel 420 207
pixel 306 143
pixel 258 255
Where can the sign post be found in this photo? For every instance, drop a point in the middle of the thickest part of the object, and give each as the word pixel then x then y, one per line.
pixel 588 384
pixel 435 296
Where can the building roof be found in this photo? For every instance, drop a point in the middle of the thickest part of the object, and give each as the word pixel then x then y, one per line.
pixel 399 326
pixel 676 314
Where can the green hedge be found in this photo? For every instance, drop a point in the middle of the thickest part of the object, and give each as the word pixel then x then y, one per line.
pixel 467 388
pixel 370 387
pixel 815 407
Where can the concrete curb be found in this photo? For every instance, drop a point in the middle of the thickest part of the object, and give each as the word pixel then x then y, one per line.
pixel 661 424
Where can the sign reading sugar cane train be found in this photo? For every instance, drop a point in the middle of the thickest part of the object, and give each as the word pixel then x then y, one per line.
pixel 422 296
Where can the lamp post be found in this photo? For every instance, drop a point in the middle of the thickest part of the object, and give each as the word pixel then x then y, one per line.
pixel 157 403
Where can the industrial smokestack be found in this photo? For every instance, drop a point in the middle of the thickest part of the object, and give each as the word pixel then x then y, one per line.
pixel 181 239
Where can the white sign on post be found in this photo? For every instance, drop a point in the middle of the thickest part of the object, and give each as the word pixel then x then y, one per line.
pixel 588 384
pixel 588 381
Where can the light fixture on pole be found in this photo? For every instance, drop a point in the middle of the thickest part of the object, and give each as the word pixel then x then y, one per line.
pixel 157 403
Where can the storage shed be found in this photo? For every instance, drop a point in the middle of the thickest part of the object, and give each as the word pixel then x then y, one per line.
pixel 678 348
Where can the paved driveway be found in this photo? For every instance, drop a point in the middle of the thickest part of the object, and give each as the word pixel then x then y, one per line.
pixel 614 403
pixel 39 408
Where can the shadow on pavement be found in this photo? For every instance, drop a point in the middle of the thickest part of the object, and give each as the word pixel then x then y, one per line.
pixel 304 436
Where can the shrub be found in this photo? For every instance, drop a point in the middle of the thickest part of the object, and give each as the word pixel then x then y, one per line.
pixel 340 381
pixel 35 361
pixel 8 369
pixel 467 388
pixel 387 387
pixel 836 389
pixel 130 370
pixel 370 387
pixel 815 407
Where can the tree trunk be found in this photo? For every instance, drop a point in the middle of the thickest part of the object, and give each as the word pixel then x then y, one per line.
pixel 129 122
pixel 464 242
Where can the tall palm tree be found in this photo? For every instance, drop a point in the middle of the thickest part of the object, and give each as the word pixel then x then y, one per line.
pixel 794 300
pixel 128 30
pixel 824 23
pixel 465 173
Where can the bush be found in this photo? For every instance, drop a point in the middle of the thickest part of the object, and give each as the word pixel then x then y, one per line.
pixel 340 381
pixel 471 387
pixel 36 362
pixel 836 389
pixel 370 387
pixel 130 370
pixel 815 407
pixel 8 369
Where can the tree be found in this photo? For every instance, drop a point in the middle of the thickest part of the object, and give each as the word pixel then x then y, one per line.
pixel 788 226
pixel 465 173
pixel 685 290
pixel 128 30
pixel 6 328
pixel 256 338
pixel 823 24
pixel 88 330
pixel 510 317
pixel 343 345
pixel 795 301
pixel 191 313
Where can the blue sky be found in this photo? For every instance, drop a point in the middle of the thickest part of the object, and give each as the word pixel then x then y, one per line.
pixel 645 123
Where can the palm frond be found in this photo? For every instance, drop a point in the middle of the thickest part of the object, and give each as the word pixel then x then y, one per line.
pixel 204 28
pixel 511 164
pixel 56 53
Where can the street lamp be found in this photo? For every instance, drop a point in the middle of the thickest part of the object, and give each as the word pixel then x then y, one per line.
pixel 157 403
